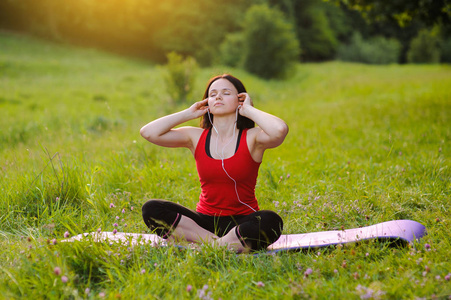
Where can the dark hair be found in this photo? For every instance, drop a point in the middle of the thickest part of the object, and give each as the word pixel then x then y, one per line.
pixel 242 122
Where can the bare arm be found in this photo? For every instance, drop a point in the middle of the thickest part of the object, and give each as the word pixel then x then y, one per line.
pixel 271 130
pixel 161 131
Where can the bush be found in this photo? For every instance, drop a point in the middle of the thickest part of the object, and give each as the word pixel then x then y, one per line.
pixel 378 50
pixel 270 44
pixel 180 76
pixel 424 48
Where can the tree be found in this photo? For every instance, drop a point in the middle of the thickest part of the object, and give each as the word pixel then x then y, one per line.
pixel 318 39
pixel 270 44
pixel 403 11
pixel 318 25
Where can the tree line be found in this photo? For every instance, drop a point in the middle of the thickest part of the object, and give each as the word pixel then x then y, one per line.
pixel 263 36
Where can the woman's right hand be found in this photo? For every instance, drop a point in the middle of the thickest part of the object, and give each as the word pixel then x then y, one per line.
pixel 199 108
pixel 162 131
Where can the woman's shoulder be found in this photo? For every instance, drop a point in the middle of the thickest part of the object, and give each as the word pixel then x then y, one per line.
pixel 191 129
pixel 194 134
pixel 255 151
pixel 251 132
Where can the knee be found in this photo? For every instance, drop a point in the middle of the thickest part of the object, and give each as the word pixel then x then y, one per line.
pixel 151 208
pixel 155 209
pixel 271 221
pixel 262 230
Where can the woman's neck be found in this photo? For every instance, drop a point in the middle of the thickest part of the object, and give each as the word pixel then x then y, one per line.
pixel 224 128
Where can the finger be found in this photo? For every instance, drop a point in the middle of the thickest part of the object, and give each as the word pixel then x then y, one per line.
pixel 202 103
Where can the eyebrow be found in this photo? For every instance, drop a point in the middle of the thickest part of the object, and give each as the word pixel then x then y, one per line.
pixel 224 89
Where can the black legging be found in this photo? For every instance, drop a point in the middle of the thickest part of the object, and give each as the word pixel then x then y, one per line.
pixel 257 230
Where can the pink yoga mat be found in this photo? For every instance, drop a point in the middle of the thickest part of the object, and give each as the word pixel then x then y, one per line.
pixel 402 230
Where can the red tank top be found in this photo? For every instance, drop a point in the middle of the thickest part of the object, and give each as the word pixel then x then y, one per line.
pixel 218 196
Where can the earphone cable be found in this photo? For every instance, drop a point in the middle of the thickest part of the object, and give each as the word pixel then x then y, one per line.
pixel 222 156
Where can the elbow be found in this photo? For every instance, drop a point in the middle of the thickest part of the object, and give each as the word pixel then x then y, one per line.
pixel 279 135
pixel 285 129
pixel 142 131
pixel 145 133
pixel 282 131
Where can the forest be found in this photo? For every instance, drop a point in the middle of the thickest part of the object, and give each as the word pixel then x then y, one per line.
pixel 233 32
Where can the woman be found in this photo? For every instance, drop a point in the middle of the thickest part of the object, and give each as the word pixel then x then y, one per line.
pixel 228 150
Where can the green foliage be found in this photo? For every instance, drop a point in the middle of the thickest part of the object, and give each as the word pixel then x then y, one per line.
pixel 318 26
pixel 180 77
pixel 341 24
pixel 143 28
pixel 151 28
pixel 367 144
pixel 403 11
pixel 196 28
pixel 425 48
pixel 315 33
pixel 377 50
pixel 446 51
pixel 271 46
pixel 232 50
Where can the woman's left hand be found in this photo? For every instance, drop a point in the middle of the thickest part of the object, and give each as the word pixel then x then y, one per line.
pixel 245 101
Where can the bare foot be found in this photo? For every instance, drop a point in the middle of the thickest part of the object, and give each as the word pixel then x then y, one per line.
pixel 231 242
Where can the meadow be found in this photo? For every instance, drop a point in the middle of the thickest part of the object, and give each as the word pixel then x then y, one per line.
pixel 367 144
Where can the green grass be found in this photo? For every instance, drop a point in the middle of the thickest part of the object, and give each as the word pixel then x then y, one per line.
pixel 367 144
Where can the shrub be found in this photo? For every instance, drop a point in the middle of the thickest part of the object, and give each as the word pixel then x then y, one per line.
pixel 180 76
pixel 271 47
pixel 378 50
pixel 424 48
pixel 384 51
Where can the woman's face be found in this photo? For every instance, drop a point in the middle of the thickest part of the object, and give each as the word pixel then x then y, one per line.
pixel 222 97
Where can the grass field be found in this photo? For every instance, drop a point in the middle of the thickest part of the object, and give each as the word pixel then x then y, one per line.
pixel 367 144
